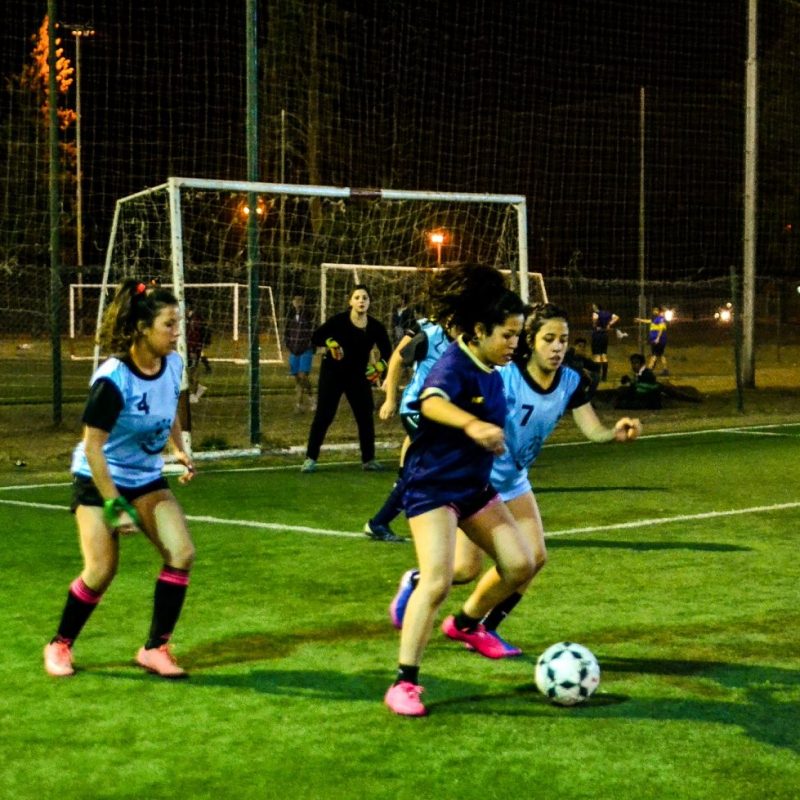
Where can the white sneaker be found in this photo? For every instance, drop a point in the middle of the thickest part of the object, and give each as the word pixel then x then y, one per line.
pixel 193 398
pixel 201 390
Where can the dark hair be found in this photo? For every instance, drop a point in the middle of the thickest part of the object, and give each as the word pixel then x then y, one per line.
pixel 538 314
pixel 134 302
pixel 637 357
pixel 358 286
pixel 471 294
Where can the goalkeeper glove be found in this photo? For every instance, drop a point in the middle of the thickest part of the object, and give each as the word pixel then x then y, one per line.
pixel 113 508
pixel 335 349
pixel 376 371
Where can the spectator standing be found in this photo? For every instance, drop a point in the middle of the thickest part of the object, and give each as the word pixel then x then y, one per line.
pixel 297 337
pixel 603 321
pixel 657 338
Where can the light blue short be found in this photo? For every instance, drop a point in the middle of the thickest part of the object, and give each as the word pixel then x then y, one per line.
pixel 301 363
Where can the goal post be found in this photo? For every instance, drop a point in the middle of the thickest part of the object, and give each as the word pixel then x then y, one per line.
pixel 192 233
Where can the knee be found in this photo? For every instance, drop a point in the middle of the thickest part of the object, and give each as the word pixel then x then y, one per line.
pixel 182 557
pixel 519 569
pixel 434 589
pixel 98 577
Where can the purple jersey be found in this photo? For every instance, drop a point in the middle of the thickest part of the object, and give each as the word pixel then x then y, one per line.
pixel 443 465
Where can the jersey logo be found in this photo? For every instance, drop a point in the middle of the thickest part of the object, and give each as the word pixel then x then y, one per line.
pixel 477 400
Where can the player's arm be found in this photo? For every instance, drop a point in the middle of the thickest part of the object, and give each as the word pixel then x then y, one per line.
pixel 625 429
pixel 179 450
pixel 613 321
pixel 121 520
pixel 439 409
pixel 391 383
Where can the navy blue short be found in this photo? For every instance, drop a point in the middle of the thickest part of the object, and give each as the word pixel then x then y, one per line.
pixel 463 504
pixel 657 349
pixel 84 492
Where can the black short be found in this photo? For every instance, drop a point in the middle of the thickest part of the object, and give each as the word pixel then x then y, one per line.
pixel 657 349
pixel 84 492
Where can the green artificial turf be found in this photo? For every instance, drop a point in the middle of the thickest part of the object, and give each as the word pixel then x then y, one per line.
pixel 690 608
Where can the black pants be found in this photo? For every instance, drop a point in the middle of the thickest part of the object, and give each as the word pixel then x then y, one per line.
pixel 359 394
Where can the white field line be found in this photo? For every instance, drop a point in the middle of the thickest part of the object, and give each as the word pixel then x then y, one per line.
pixel 753 430
pixel 275 526
pixel 241 523
pixel 644 523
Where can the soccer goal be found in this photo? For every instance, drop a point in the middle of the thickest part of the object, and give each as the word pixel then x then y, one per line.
pixel 197 235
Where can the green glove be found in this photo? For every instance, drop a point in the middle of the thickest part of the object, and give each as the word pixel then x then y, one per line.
pixel 113 508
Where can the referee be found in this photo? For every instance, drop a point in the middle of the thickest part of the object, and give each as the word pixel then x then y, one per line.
pixel 349 338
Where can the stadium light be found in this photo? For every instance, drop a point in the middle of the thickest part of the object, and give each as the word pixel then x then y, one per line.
pixel 437 239
pixel 261 208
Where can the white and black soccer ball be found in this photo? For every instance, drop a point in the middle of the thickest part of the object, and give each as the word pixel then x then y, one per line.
pixel 567 673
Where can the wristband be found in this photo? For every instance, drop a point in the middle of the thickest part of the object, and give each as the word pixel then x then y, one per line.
pixel 115 506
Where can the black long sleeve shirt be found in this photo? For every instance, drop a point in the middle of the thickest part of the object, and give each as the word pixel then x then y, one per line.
pixel 357 344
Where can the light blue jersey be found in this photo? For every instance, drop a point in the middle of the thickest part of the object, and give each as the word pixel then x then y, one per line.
pixel 437 343
pixel 533 413
pixel 146 406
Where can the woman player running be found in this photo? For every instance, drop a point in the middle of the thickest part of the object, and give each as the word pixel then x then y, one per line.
pixel 539 390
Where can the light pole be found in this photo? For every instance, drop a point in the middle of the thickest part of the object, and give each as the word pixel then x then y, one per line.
pixel 79 33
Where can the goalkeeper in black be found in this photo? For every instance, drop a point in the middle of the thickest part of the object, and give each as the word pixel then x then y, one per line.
pixel 346 369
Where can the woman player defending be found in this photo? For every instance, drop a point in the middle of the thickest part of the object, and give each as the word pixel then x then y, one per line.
pixel 539 389
pixel 447 470
pixel 118 488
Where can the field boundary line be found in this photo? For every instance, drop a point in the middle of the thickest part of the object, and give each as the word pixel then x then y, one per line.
pixel 276 526
pixel 645 523
pixel 241 523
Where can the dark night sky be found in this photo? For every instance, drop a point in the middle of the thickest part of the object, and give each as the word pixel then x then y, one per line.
pixel 535 97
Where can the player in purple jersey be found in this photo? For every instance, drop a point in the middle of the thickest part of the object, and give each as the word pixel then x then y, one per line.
pixel 118 489
pixel 447 470
pixel 539 390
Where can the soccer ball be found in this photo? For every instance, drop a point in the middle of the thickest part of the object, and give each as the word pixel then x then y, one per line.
pixel 567 673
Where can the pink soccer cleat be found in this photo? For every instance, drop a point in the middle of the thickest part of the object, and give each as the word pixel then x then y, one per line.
pixel 58 659
pixel 160 661
pixel 479 639
pixel 509 650
pixel 403 698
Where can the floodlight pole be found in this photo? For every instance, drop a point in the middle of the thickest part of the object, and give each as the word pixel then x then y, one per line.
pixel 79 33
pixel 54 208
pixel 747 366
pixel 642 217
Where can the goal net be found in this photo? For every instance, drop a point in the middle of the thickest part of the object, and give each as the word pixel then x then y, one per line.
pixel 197 236
pixel 391 288
pixel 220 307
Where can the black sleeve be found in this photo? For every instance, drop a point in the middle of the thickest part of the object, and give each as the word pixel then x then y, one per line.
pixel 583 394
pixel 416 350
pixel 103 406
